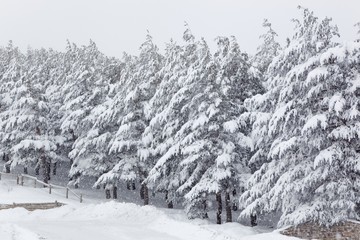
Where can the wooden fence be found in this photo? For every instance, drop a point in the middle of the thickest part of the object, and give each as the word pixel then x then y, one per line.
pixel 32 206
pixel 20 180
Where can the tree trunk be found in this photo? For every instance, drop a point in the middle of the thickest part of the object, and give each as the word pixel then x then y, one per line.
pixel 133 185
pixel 235 205
pixel 146 195
pixel 25 170
pixel 47 170
pixel 228 207
pixel 253 220
pixel 7 168
pixel 219 211
pixel 107 193
pixel 115 192
pixel 142 191
pixel 204 208
pixel 54 168
pixel 37 168
pixel 169 203
pixel 128 185
pixel 7 164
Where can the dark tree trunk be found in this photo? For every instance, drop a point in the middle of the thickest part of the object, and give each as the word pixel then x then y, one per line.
pixel 107 193
pixel 146 195
pixel 130 185
pixel 133 185
pixel 169 203
pixel 115 192
pixel 37 168
pixel 142 190
pixel 72 134
pixel 204 208
pixel 54 168
pixel 25 170
pixel 219 211
pixel 37 130
pixel 253 220
pixel 7 168
pixel 75 178
pixel 235 205
pixel 7 164
pixel 228 207
pixel 47 170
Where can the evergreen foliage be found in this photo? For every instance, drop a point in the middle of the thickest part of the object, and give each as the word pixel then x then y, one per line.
pixel 304 126
pixel 280 128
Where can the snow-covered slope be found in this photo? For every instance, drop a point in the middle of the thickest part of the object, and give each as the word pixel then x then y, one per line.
pixel 107 220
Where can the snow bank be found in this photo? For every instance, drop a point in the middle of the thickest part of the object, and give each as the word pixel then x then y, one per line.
pixel 14 232
pixel 109 220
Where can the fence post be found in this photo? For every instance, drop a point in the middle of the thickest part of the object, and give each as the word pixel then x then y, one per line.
pixel 22 180
pixel 17 179
pixel 49 188
pixel 35 183
pixel 67 192
pixel 81 198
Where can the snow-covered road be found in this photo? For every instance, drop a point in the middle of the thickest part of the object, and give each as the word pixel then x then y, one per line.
pixel 107 221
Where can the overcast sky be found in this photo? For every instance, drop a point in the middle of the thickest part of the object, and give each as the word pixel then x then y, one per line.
pixel 120 25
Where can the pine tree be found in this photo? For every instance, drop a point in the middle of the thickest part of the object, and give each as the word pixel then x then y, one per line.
pixel 25 121
pixel 84 105
pixel 12 61
pixel 267 51
pixel 140 85
pixel 53 93
pixel 215 149
pixel 306 154
pixel 174 92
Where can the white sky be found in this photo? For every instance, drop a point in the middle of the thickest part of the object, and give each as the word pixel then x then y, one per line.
pixel 120 25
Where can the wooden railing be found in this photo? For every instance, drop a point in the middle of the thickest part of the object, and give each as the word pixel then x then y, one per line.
pixel 32 206
pixel 36 182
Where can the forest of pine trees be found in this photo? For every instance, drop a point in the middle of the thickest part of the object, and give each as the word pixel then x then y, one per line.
pixel 272 136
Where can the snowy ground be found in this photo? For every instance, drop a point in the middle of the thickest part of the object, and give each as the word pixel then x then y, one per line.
pixel 96 219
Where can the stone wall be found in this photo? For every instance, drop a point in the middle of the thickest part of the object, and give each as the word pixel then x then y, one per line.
pixel 345 231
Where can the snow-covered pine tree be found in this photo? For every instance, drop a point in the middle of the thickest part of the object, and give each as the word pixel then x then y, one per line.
pixel 46 65
pixel 173 93
pixel 54 66
pixel 267 51
pixel 11 66
pixel 140 85
pixel 88 88
pixel 69 61
pixel 108 122
pixel 214 148
pixel 92 147
pixel 305 131
pixel 25 121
